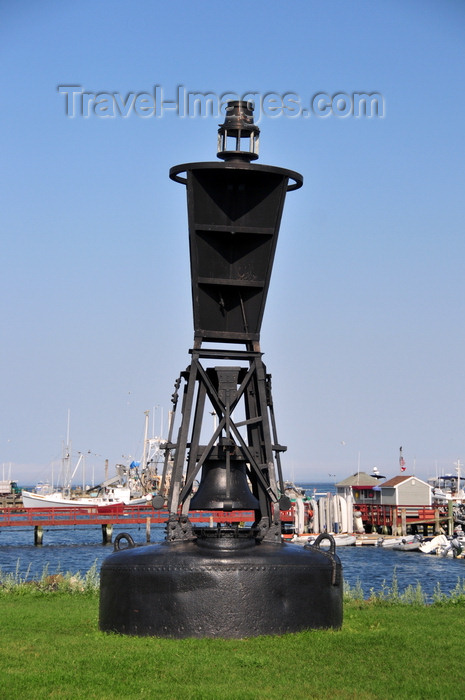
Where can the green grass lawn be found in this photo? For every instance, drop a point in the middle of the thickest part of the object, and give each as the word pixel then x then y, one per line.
pixel 50 647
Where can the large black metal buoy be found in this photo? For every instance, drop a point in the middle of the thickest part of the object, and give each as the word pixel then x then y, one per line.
pixel 238 578
pixel 220 586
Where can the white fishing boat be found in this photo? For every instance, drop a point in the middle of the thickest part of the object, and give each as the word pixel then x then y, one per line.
pixel 108 498
pixel 132 486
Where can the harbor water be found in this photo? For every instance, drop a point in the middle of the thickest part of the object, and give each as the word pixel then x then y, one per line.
pixel 73 549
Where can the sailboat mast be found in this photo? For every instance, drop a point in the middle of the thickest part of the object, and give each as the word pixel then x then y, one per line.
pixel 67 429
pixel 458 475
pixel 146 437
pixel 67 457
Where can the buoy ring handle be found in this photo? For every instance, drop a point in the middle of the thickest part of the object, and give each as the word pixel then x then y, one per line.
pixel 325 536
pixel 124 536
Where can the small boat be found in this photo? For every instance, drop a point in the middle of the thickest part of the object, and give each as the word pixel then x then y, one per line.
pixel 340 540
pixel 444 546
pixel 434 546
pixel 408 544
pixel 399 542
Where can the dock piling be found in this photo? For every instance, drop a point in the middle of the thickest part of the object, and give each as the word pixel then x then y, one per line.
pixel 450 518
pixel 107 532
pixel 403 515
pixel 38 534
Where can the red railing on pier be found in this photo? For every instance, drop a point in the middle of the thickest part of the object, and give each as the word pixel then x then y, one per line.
pixel 49 517
pixel 391 516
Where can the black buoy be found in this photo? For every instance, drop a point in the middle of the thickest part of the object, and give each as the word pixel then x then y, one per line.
pixel 229 581
pixel 220 586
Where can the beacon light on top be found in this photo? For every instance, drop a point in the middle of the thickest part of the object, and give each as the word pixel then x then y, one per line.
pixel 238 137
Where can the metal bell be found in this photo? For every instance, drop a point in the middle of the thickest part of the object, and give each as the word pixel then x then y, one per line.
pixel 219 490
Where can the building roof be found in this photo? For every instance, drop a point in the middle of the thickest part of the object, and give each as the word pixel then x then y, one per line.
pixel 359 479
pixel 396 480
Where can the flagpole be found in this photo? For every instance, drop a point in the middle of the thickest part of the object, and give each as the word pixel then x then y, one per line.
pixel 401 460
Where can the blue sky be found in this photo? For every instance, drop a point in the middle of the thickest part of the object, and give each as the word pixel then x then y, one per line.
pixel 363 331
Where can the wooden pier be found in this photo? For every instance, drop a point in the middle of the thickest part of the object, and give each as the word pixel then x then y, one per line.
pixel 376 519
pixel 396 519
pixel 41 518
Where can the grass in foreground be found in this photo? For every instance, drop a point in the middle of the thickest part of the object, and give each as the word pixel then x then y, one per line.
pixel 50 647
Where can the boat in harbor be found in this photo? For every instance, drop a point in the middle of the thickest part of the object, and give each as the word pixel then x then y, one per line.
pixel 408 544
pixel 112 495
pixel 404 543
pixel 449 487
pixel 108 499
pixel 339 540
pixel 443 546
pixel 132 485
pixel 434 546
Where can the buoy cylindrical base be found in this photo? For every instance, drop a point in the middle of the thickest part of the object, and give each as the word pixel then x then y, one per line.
pixel 200 589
